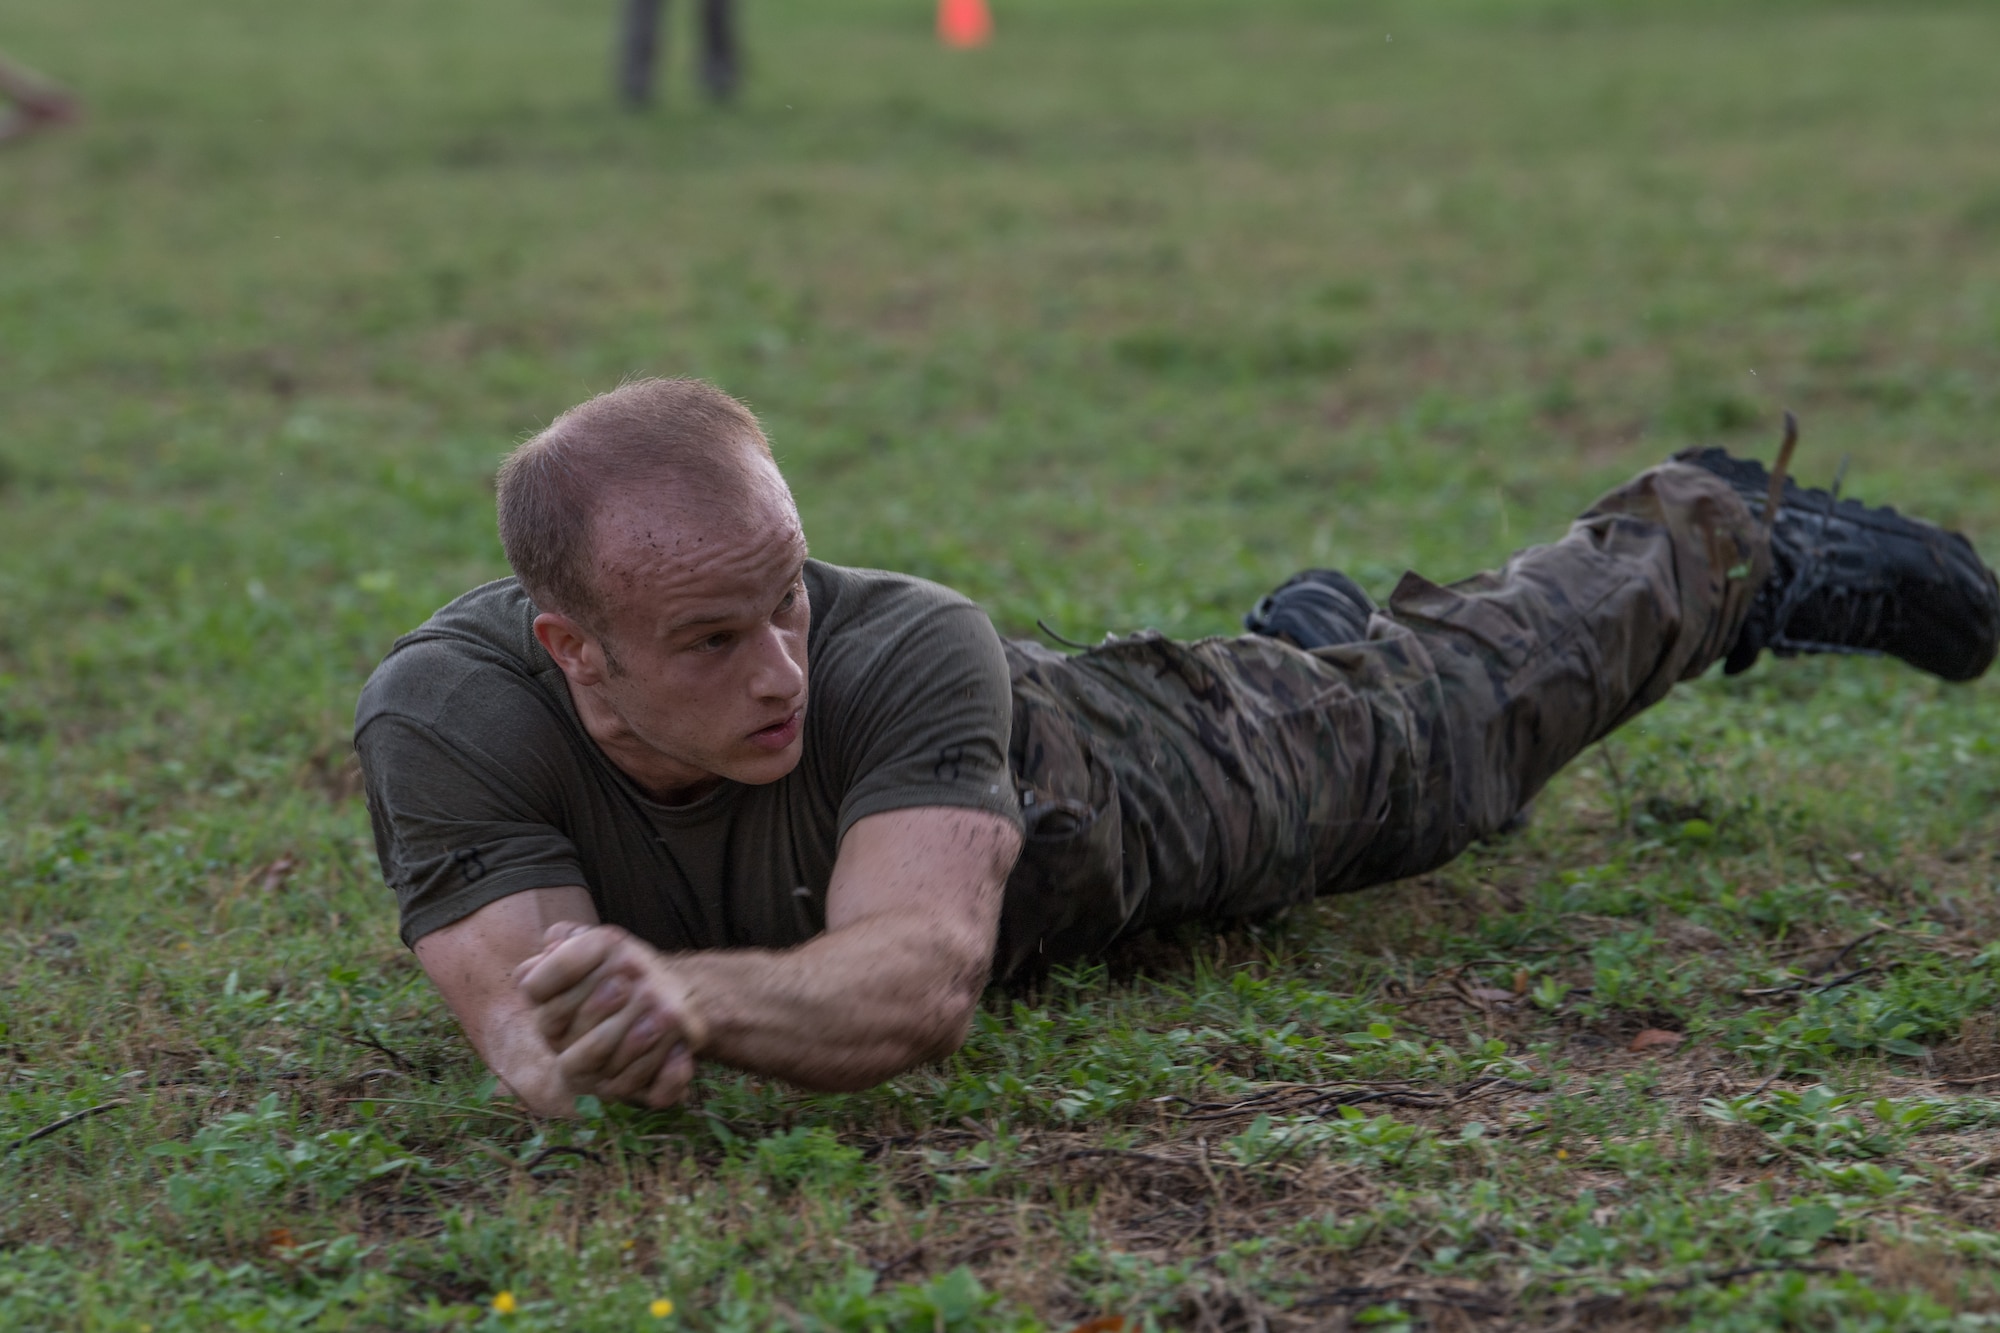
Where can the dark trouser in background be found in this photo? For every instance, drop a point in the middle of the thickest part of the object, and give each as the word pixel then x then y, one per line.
pixel 1166 781
pixel 639 42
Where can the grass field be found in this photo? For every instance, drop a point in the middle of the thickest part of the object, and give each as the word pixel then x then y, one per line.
pixel 1113 323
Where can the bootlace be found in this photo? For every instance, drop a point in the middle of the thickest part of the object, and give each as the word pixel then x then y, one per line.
pixel 1853 614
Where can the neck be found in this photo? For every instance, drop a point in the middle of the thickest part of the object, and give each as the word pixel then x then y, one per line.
pixel 662 779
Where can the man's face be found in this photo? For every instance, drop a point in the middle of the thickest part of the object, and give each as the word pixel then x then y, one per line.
pixel 705 646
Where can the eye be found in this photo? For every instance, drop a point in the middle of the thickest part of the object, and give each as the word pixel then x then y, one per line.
pixel 714 643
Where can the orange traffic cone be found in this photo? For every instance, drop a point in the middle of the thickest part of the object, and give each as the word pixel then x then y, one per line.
pixel 964 23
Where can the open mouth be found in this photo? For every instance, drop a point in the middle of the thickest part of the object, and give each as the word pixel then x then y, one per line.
pixel 779 734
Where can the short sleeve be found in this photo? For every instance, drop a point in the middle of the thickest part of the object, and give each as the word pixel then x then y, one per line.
pixel 454 829
pixel 927 720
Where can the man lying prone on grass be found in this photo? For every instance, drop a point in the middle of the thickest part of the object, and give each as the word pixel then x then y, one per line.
pixel 677 792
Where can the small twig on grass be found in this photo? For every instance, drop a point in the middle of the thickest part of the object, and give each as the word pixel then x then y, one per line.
pixel 1267 1093
pixel 560 1150
pixel 988 1201
pixel 888 1266
pixel 1602 1303
pixel 1401 1291
pixel 1842 981
pixel 1298 1098
pixel 1552 950
pixel 1972 1082
pixel 56 1127
pixel 1800 986
pixel 1845 949
pixel 1849 948
pixel 1747 1270
pixel 441 1106
pixel 1486 1083
pixel 969 1168
pixel 1758 1091
pixel 984 1246
pixel 1214 1191
pixel 1797 950
pixel 374 1043
pixel 1854 866
pixel 719 1123
pixel 1129 1154
pixel 1393 1096
pixel 507 1160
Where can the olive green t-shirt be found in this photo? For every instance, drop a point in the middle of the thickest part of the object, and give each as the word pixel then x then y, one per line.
pixel 482 782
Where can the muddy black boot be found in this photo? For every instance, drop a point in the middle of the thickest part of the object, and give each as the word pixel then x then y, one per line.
pixel 1315 608
pixel 1849 579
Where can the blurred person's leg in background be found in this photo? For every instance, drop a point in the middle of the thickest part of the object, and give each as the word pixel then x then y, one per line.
pixel 720 68
pixel 638 47
pixel 637 54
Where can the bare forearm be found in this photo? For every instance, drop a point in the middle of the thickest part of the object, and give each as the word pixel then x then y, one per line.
pixel 525 1064
pixel 845 1011
pixel 535 1080
pixel 912 912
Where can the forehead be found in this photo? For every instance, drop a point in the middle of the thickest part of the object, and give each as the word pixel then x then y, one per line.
pixel 663 560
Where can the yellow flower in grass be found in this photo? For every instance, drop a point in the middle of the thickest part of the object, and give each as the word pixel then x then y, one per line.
pixel 661 1308
pixel 505 1303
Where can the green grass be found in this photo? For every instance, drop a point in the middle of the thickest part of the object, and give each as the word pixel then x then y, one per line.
pixel 1113 323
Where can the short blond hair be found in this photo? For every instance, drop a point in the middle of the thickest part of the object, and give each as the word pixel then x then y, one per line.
pixel 686 437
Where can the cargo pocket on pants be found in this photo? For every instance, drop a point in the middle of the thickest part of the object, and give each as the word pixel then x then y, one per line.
pixel 1421 604
pixel 1065 898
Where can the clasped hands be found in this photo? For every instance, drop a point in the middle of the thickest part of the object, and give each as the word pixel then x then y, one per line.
pixel 616 1016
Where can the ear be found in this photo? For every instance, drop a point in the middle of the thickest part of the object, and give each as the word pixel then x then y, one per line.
pixel 572 647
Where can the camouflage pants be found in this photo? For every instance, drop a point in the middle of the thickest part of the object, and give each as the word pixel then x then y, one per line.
pixel 1166 781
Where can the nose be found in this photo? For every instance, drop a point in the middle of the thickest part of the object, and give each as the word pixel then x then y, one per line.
pixel 779 674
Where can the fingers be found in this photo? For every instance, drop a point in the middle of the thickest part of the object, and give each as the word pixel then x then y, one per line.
pixel 551 937
pixel 643 1030
pixel 614 1016
pixel 566 982
pixel 568 1016
pixel 593 1059
pixel 670 1085
pixel 653 1031
pixel 650 1065
pixel 569 951
pixel 613 987
pixel 632 1081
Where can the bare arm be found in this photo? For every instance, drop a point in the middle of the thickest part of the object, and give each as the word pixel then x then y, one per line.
pixel 559 1006
pixel 473 963
pixel 912 914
